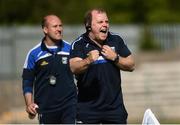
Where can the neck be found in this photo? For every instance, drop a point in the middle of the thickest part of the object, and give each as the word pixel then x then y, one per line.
pixel 50 42
pixel 97 42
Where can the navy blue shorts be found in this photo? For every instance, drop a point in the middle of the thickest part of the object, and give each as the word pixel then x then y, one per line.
pixel 108 119
pixel 65 116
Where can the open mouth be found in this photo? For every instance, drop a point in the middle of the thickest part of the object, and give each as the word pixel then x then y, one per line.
pixel 104 31
pixel 59 33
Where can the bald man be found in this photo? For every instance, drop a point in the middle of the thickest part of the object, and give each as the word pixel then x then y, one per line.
pixel 48 85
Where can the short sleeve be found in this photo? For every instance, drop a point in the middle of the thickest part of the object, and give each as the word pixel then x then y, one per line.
pixel 77 49
pixel 122 50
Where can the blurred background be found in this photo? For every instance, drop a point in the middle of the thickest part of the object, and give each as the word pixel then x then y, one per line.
pixel 151 29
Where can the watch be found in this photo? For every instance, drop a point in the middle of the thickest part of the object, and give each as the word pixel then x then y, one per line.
pixel 116 60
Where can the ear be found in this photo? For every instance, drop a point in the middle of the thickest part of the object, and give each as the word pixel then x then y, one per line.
pixel 88 27
pixel 45 30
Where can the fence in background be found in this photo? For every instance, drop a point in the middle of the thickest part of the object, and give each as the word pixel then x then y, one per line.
pixel 168 36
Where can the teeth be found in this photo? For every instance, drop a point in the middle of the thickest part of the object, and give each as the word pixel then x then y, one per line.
pixel 103 31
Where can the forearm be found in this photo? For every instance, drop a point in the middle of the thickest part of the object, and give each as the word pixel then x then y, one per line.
pixel 79 65
pixel 31 107
pixel 28 98
pixel 126 63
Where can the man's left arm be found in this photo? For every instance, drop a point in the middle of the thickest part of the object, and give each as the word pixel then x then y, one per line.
pixel 124 63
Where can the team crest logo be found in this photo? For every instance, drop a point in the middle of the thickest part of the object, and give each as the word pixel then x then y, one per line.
pixel 64 60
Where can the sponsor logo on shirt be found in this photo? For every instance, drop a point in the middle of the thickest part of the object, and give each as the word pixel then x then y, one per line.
pixel 44 63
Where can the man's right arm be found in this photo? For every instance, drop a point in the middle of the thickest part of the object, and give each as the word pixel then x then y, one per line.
pixel 79 65
pixel 27 85
pixel 30 105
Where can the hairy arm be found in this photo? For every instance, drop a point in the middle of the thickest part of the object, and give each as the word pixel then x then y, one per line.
pixel 79 65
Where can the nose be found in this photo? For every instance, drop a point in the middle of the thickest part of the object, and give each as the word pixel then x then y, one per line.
pixel 105 24
pixel 59 28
